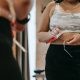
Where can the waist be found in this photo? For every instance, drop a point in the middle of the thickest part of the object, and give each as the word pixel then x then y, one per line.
pixel 62 43
pixel 65 37
pixel 58 46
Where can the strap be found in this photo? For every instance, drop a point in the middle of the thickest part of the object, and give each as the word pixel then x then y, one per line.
pixel 54 9
pixel 57 7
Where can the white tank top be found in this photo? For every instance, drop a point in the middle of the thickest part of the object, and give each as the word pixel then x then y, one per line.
pixel 66 21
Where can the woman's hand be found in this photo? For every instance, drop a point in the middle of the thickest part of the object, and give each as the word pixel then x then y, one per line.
pixel 75 40
pixel 18 27
pixel 55 31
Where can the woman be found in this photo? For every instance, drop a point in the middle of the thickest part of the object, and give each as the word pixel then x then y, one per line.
pixel 9 68
pixel 63 55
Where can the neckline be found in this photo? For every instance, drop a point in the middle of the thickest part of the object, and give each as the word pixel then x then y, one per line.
pixel 66 11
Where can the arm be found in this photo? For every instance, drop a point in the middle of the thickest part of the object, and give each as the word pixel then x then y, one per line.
pixel 75 40
pixel 43 29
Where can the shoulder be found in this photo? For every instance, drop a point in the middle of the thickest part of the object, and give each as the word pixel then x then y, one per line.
pixel 50 5
pixel 48 9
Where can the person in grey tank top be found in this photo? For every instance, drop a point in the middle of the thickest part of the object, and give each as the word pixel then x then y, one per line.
pixel 60 27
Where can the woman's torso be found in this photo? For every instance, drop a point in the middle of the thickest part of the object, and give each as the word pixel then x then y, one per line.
pixel 4 4
pixel 65 20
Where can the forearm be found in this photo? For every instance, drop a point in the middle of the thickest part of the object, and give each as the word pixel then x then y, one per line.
pixel 44 36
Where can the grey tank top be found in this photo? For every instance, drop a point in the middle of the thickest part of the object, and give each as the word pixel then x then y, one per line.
pixel 66 21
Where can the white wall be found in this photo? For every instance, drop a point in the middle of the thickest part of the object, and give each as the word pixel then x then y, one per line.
pixel 32 41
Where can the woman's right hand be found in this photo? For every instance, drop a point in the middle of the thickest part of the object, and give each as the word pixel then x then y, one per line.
pixel 55 31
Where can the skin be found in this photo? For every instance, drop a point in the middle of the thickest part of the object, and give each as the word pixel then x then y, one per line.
pixel 43 24
pixel 43 32
pixel 21 8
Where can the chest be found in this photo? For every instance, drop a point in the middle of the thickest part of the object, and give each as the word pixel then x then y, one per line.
pixel 65 20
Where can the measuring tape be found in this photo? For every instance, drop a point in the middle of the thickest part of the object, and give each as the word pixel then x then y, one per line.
pixel 58 35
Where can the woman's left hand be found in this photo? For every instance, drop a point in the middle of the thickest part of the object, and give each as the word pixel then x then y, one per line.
pixel 75 40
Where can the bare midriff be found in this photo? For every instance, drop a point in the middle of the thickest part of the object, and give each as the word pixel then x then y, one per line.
pixel 62 39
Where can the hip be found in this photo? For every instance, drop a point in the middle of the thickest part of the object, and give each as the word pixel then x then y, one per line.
pixel 56 54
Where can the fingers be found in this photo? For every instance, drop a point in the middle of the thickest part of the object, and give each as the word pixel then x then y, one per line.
pixel 75 39
pixel 56 31
pixel 72 41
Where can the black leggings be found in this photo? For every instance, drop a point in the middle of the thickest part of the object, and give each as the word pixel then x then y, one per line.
pixel 60 66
